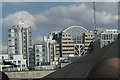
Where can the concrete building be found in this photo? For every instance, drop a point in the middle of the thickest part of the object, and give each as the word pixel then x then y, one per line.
pixel 40 50
pixel 4 57
pixel 87 38
pixel 51 50
pixel 19 40
pixel 108 36
pixel 66 46
pixel 69 42
pixel 17 60
pixel 77 36
pixel 31 57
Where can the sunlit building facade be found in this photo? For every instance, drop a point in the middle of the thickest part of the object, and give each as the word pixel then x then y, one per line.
pixel 19 40
pixel 108 36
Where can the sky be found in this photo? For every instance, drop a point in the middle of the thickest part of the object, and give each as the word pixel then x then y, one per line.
pixel 45 17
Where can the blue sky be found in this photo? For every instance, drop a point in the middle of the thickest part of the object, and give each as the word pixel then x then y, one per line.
pixel 31 7
pixel 45 17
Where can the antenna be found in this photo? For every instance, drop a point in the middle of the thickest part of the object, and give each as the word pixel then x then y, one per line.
pixel 95 31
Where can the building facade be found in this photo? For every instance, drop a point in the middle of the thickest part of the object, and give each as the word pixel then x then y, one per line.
pixel 40 50
pixel 16 59
pixel 64 44
pixel 88 38
pixel 19 40
pixel 108 36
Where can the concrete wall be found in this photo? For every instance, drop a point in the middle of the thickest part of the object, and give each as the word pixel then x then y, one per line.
pixel 28 74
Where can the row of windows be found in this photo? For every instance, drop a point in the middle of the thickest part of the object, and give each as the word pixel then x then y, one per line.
pixel 68 50
pixel 88 35
pixel 66 35
pixel 67 46
pixel 107 36
pixel 66 39
pixel 67 42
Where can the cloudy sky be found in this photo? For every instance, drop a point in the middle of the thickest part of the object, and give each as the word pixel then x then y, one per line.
pixel 45 17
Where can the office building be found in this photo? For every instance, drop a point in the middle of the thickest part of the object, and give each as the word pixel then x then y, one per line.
pixel 76 33
pixel 108 36
pixel 87 38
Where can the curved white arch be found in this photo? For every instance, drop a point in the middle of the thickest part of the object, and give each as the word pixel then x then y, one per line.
pixel 74 27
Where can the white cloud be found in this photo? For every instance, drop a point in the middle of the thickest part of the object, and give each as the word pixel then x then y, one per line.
pixel 3 48
pixel 13 19
pixel 79 14
pixel 65 16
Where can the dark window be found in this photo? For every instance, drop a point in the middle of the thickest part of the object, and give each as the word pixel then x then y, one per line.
pixel 15 30
pixel 37 63
pixel 9 35
pixel 15 39
pixel 2 57
pixel 37 50
pixel 19 62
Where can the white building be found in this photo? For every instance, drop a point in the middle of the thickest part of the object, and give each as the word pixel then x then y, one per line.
pixel 51 51
pixel 19 40
pixel 40 50
pixel 19 61
pixel 16 59
pixel 4 57
pixel 108 36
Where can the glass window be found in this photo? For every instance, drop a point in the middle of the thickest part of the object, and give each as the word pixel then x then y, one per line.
pixel 37 50
pixel 19 62
pixel 14 62
pixel 37 63
pixel 2 57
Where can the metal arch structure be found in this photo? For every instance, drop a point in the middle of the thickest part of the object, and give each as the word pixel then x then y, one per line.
pixel 74 29
pixel 76 32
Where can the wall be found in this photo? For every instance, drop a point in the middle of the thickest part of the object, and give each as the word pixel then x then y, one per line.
pixel 28 74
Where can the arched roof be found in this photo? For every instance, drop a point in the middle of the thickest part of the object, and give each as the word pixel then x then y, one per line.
pixel 75 30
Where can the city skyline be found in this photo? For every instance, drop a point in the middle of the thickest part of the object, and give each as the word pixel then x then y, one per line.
pixel 45 17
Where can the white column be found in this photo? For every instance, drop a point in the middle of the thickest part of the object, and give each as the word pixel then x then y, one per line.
pixel 20 41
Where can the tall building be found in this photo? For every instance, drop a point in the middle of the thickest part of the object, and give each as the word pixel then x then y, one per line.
pixel 108 36
pixel 69 42
pixel 31 57
pixel 40 50
pixel 77 36
pixel 19 40
pixel 51 50
pixel 88 38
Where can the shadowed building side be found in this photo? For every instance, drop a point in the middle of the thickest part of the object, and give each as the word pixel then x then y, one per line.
pixel 82 67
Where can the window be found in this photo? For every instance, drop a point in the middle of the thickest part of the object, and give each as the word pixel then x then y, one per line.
pixel 23 65
pixel 15 30
pixel 37 50
pixel 2 57
pixel 14 62
pixel 15 39
pixel 9 35
pixel 18 65
pixel 16 51
pixel 19 62
pixel 37 55
pixel 37 59
pixel 37 63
